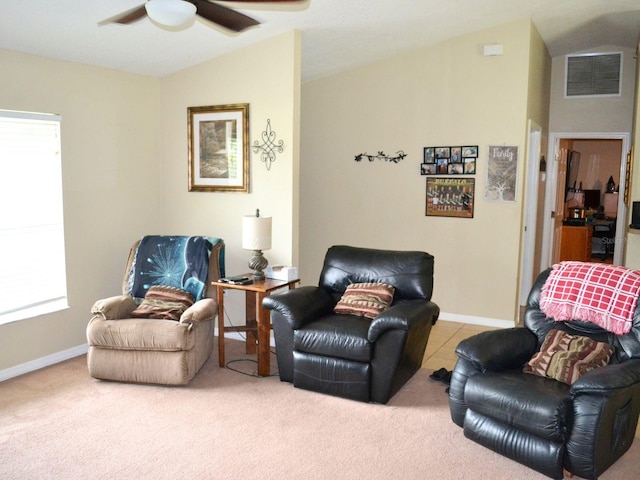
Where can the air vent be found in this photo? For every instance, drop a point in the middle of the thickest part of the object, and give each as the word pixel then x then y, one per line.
pixel 593 75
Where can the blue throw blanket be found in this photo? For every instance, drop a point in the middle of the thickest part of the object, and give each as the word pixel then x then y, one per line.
pixel 175 261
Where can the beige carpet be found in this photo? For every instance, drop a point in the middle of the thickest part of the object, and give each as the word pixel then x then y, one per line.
pixel 58 423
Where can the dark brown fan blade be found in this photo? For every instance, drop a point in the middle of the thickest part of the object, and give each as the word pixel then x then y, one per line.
pixel 265 1
pixel 129 16
pixel 223 16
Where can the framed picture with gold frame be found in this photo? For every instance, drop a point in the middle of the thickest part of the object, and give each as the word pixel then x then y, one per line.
pixel 219 148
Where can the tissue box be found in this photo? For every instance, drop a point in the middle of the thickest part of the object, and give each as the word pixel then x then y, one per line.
pixel 282 272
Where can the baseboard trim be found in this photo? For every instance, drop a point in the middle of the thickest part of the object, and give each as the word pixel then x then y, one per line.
pixel 472 320
pixel 43 362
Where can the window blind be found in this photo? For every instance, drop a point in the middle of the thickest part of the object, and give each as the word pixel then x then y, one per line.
pixel 32 254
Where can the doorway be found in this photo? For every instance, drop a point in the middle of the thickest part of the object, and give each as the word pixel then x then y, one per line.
pixel 532 187
pixel 594 172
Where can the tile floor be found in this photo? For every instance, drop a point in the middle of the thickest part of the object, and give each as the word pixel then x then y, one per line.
pixel 443 340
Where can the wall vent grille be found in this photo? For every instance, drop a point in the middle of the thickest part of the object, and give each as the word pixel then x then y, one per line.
pixel 593 75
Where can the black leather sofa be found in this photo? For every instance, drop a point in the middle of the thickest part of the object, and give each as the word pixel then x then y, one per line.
pixel 353 356
pixel 550 426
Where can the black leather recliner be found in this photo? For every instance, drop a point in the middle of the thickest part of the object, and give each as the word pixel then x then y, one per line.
pixel 547 425
pixel 353 356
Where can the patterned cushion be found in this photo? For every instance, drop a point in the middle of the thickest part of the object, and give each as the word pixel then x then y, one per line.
pixel 368 299
pixel 163 302
pixel 567 357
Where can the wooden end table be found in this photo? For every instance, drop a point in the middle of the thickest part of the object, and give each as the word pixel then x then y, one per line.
pixel 258 321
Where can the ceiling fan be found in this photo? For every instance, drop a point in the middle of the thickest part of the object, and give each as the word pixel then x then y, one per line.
pixel 173 13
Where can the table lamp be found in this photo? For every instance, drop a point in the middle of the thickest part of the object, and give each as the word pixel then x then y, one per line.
pixel 256 236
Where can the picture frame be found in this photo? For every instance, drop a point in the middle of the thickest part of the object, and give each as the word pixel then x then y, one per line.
pixel 428 169
pixel 469 165
pixel 218 138
pixel 456 154
pixel 443 152
pixel 502 173
pixel 628 176
pixel 429 155
pixel 450 197
pixel 470 151
pixel 456 160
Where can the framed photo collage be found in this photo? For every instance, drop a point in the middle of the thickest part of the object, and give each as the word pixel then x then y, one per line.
pixel 449 160
pixel 450 196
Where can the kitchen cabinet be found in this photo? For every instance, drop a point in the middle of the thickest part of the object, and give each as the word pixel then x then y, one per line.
pixel 575 243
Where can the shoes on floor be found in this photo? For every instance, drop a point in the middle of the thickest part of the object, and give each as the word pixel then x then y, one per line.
pixel 442 375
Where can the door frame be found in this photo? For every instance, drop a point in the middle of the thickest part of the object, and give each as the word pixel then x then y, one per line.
pixel 534 149
pixel 552 184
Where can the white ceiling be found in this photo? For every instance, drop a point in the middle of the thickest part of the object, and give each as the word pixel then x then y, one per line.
pixel 336 34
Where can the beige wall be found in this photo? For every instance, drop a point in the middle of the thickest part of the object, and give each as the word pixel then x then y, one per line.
pixel 538 113
pixel 272 90
pixel 110 177
pixel 449 94
pixel 597 114
pixel 124 144
pixel 539 92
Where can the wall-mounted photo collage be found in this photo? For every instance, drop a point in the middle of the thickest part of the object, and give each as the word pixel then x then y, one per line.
pixel 449 160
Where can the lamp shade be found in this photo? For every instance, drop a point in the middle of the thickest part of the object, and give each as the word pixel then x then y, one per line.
pixel 171 13
pixel 256 232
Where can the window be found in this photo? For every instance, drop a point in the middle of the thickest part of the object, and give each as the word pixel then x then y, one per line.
pixel 32 261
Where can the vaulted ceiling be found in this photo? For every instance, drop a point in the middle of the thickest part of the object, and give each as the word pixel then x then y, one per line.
pixel 336 34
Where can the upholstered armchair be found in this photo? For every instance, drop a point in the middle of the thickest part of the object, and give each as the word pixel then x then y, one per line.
pixel 161 329
pixel 546 396
pixel 359 355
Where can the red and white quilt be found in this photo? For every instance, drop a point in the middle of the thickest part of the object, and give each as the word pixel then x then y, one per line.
pixel 606 295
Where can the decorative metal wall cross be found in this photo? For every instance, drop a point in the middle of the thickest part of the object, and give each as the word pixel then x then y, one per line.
pixel 269 146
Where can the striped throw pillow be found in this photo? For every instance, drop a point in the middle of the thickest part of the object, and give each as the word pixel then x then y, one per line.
pixel 366 299
pixel 163 302
pixel 566 358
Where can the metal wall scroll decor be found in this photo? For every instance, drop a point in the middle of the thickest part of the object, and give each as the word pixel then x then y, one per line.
pixel 269 146
pixel 381 156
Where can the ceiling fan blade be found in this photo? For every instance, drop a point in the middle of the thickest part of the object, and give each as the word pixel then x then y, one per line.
pixel 129 16
pixel 265 1
pixel 223 16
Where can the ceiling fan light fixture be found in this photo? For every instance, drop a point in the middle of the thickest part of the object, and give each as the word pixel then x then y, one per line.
pixel 170 13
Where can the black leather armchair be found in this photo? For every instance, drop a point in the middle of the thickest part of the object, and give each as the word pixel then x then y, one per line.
pixel 353 356
pixel 547 425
